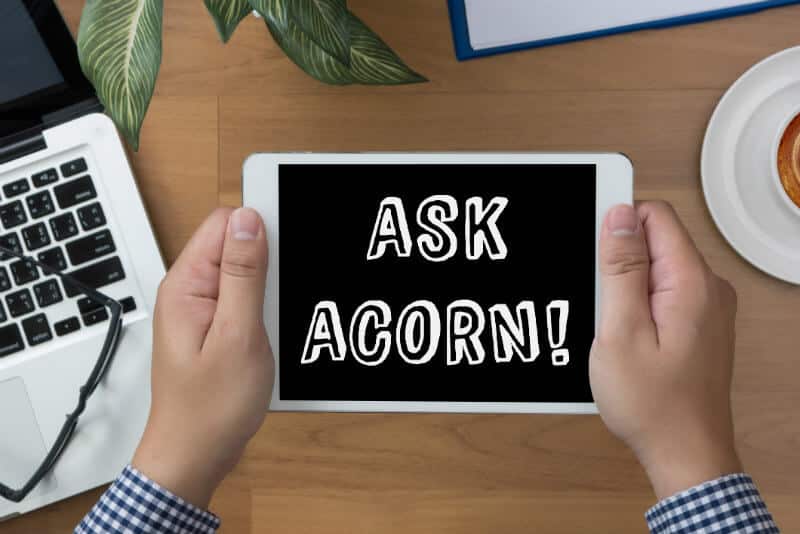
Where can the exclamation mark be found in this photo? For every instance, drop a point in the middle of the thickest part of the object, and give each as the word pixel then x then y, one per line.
pixel 560 356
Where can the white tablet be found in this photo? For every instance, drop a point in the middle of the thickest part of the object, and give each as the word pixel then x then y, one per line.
pixel 426 282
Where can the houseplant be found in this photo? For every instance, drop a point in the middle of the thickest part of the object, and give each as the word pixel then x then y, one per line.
pixel 119 45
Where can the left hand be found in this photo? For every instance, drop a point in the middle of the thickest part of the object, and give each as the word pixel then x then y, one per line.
pixel 213 369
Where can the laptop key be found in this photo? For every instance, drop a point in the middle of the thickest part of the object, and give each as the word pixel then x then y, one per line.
pixel 40 204
pixel 96 275
pixel 128 304
pixel 36 236
pixel 95 316
pixel 16 187
pixel 47 293
pixel 2 314
pixel 23 272
pixel 86 305
pixel 11 242
pixel 64 226
pixel 19 303
pixel 13 214
pixel 41 179
pixel 74 192
pixel 10 340
pixel 5 282
pixel 71 168
pixel 90 247
pixel 67 326
pixel 37 329
pixel 91 216
pixel 53 257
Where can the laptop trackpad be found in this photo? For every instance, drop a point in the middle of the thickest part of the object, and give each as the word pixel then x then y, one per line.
pixel 21 446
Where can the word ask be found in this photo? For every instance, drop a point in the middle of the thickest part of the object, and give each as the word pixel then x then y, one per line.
pixel 437 240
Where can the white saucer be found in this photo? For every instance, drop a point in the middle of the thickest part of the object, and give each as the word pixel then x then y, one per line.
pixel 737 166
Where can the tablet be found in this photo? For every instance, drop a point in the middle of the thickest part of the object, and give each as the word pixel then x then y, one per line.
pixel 428 282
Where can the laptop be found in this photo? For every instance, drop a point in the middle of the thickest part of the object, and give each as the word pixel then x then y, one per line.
pixel 67 198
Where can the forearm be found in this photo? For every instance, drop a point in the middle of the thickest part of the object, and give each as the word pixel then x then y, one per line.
pixel 137 505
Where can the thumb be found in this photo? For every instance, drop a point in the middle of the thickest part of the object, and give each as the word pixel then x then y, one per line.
pixel 624 274
pixel 243 269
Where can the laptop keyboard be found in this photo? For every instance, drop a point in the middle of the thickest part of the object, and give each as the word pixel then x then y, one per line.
pixel 55 215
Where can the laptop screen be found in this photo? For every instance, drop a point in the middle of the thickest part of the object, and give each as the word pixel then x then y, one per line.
pixel 40 74
pixel 29 68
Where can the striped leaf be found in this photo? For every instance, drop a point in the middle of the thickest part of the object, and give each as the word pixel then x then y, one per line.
pixel 119 45
pixel 299 45
pixel 273 10
pixel 372 62
pixel 227 15
pixel 326 23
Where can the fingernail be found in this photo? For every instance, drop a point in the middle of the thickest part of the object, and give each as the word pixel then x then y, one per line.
pixel 245 223
pixel 623 220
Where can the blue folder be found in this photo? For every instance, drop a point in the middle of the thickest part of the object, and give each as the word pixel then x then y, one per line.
pixel 464 50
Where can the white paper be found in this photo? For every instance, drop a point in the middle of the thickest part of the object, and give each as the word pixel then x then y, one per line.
pixel 505 22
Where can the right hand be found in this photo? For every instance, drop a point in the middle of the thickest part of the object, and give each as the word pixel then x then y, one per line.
pixel 662 362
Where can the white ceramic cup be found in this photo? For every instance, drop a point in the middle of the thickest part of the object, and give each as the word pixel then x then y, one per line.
pixel 776 175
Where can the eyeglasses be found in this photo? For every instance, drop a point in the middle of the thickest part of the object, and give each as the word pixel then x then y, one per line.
pixel 95 378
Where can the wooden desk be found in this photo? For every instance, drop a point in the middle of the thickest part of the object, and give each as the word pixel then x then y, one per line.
pixel 648 94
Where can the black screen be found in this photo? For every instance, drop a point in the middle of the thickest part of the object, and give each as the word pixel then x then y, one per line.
pixel 40 75
pixel 520 251
pixel 25 62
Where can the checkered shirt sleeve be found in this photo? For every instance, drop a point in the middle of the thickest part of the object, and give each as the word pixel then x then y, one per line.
pixel 135 504
pixel 726 505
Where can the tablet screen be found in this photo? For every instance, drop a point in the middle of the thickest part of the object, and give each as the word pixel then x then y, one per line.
pixel 439 283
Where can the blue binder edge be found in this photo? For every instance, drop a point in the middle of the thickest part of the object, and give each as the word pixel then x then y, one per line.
pixel 464 50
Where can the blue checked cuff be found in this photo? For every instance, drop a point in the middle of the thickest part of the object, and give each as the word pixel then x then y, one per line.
pixel 134 504
pixel 726 505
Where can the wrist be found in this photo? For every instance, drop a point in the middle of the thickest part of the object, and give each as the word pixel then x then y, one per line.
pixel 684 463
pixel 177 471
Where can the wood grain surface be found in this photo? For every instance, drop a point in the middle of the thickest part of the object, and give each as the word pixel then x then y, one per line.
pixel 648 94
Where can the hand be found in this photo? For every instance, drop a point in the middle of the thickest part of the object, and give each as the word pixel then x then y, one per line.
pixel 213 369
pixel 662 361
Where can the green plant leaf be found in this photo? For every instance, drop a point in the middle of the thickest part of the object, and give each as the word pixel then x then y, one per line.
pixel 227 15
pixel 119 45
pixel 372 62
pixel 299 46
pixel 326 23
pixel 273 10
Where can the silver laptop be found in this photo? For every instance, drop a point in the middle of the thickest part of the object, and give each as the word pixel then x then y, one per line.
pixel 68 199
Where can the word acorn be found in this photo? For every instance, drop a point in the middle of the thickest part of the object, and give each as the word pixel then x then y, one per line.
pixel 416 335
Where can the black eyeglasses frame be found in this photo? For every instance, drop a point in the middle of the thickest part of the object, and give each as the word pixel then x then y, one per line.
pixel 99 371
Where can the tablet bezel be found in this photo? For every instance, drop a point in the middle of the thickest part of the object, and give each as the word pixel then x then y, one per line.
pixel 260 192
